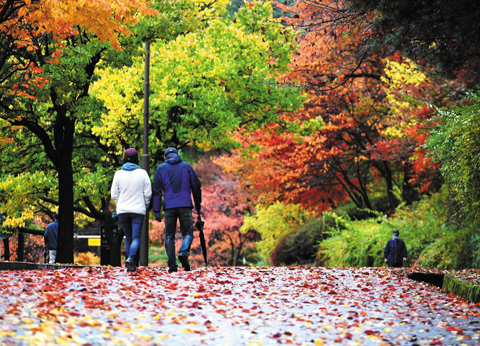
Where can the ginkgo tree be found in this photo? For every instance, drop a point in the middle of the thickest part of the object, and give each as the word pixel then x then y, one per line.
pixel 204 84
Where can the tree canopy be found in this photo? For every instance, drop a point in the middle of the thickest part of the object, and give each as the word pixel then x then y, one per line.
pixel 441 31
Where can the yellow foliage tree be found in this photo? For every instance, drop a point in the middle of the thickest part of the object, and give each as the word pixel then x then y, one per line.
pixel 272 223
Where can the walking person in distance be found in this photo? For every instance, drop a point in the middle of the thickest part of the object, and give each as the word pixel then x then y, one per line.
pixel 51 239
pixel 131 191
pixel 176 181
pixel 395 252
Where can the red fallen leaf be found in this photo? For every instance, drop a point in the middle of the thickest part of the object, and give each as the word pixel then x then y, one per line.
pixel 369 332
pixel 339 339
pixel 365 289
pixel 288 333
pixel 453 329
pixel 349 336
pixel 276 335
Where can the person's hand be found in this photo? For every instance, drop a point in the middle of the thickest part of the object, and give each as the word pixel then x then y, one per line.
pixel 404 259
pixel 385 260
pixel 158 217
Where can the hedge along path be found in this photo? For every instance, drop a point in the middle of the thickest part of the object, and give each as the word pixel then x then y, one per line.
pixel 230 306
pixel 461 286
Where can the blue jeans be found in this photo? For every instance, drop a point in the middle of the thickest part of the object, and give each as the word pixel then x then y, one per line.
pixel 132 227
pixel 186 227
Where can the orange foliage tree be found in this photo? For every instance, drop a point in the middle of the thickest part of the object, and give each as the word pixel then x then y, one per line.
pixel 355 153
pixel 223 208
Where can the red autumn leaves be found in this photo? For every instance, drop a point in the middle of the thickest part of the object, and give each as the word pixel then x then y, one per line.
pixel 244 305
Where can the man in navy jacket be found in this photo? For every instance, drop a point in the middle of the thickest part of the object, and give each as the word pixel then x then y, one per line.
pixel 176 181
pixel 51 239
pixel 395 252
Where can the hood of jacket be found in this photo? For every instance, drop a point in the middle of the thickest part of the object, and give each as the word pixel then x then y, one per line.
pixel 173 159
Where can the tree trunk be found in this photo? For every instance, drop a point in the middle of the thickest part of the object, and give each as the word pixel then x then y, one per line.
pixel 65 212
pixel 386 173
pixel 20 247
pixel 6 249
pixel 410 194
pixel 63 139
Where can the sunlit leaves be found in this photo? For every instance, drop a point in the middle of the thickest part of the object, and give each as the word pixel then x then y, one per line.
pixel 454 144
pixel 206 83
pixel 272 223
pixel 18 195
pixel 107 20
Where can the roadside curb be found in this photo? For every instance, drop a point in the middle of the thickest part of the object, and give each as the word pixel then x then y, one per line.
pixel 36 266
pixel 450 283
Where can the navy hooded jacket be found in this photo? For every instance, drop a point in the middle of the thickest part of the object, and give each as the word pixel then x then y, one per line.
pixel 176 181
pixel 51 235
pixel 395 252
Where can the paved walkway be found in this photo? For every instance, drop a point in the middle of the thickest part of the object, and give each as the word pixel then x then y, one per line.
pixel 230 306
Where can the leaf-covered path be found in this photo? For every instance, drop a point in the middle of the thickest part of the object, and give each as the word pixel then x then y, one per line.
pixel 230 306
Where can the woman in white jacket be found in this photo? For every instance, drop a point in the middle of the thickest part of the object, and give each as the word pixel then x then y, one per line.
pixel 131 191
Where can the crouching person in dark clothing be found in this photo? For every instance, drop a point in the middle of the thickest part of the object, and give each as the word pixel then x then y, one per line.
pixel 395 252
pixel 176 181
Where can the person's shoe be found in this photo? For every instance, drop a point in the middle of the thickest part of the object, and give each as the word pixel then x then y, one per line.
pixel 130 264
pixel 172 270
pixel 183 259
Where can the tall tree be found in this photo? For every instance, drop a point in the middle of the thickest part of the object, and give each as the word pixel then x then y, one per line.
pixel 363 143
pixel 204 84
pixel 47 65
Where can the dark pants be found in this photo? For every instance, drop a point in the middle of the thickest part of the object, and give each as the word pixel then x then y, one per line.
pixel 395 265
pixel 186 227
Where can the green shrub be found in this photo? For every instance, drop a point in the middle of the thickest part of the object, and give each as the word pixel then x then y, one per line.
pixel 300 245
pixel 360 244
pixel 274 222
pixel 455 143
pixel 448 251
pixel 433 237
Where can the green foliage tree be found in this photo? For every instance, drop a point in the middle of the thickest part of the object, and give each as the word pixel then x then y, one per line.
pixel 455 143
pixel 203 84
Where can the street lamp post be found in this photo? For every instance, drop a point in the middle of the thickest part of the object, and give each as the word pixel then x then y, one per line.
pixel 145 158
